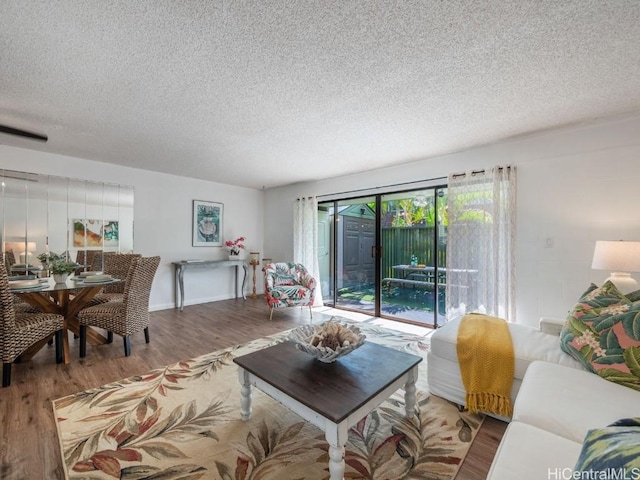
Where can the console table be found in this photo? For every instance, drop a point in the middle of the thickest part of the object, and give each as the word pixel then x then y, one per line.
pixel 183 265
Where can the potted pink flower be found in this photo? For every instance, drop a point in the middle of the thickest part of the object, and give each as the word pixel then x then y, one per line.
pixel 234 247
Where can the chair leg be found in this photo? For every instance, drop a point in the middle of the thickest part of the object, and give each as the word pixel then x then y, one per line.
pixel 109 337
pixel 6 374
pixel 146 335
pixel 271 314
pixel 127 345
pixel 311 313
pixel 59 346
pixel 83 341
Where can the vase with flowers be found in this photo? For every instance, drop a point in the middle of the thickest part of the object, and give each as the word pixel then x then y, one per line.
pixel 234 247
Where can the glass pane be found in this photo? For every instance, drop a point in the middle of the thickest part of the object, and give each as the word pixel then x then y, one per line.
pixel 356 259
pixel 14 222
pixel 125 218
pixel 36 217
pixel 40 214
pixel 325 251
pixel 76 215
pixel 413 241
pixel 58 225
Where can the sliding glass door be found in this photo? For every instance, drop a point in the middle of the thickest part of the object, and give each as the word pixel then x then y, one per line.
pixel 413 240
pixel 349 226
pixel 386 254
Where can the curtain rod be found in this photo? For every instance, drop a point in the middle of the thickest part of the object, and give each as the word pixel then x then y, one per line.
pixel 478 172
pixel 384 186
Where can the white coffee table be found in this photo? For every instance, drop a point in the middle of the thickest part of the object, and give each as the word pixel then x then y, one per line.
pixel 332 396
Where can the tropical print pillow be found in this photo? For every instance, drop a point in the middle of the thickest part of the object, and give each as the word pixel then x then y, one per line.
pixel 603 333
pixel 614 448
pixel 604 296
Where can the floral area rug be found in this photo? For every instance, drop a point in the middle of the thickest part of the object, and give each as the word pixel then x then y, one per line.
pixel 183 422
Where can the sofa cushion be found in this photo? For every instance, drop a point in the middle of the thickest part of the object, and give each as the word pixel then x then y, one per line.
pixel 569 402
pixel 529 453
pixel 529 344
pixel 603 332
pixel 612 447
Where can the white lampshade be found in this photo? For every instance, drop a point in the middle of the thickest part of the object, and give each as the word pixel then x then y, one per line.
pixel 619 258
pixel 18 248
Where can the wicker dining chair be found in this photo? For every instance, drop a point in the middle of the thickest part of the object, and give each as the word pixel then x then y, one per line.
pixel 99 261
pixel 9 259
pixel 128 316
pixel 118 266
pixel 19 331
pixel 81 261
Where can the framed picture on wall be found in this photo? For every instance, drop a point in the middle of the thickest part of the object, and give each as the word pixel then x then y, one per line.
pixel 94 233
pixel 207 223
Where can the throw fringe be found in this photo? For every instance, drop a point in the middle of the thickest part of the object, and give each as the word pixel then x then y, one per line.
pixel 486 360
pixel 489 402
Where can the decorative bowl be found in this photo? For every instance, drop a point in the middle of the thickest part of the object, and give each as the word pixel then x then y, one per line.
pixel 329 341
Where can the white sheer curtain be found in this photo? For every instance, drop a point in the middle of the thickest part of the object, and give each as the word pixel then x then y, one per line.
pixel 305 239
pixel 481 231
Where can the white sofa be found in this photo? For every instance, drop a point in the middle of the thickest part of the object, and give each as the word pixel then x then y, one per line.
pixel 555 409
pixel 529 345
pixel 556 402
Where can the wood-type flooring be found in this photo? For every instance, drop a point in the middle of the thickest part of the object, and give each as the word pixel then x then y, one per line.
pixel 28 443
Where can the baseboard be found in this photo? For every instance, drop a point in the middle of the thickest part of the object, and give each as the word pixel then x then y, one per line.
pixel 194 301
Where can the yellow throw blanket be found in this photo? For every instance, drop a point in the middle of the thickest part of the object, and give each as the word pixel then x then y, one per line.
pixel 485 355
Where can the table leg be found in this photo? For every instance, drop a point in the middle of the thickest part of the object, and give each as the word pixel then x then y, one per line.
pixel 59 302
pixel 245 394
pixel 180 286
pixel 410 393
pixel 336 435
pixel 175 287
pixel 244 280
pixel 235 281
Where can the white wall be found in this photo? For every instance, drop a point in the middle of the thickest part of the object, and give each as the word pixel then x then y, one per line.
pixel 162 216
pixel 576 185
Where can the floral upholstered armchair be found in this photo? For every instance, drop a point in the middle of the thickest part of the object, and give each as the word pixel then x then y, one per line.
pixel 287 285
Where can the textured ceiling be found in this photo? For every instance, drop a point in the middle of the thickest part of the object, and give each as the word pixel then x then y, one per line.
pixel 267 93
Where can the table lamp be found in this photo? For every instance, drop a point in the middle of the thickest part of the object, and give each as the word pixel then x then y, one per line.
pixel 26 255
pixel 18 248
pixel 620 258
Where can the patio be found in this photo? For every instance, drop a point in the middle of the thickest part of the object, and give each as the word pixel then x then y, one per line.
pixel 403 302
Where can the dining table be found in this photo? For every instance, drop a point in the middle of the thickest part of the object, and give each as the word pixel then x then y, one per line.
pixel 66 299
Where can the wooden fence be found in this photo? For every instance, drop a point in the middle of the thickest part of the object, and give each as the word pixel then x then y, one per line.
pixel 400 243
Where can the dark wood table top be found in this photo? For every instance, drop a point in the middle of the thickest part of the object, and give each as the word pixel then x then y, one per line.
pixel 334 390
